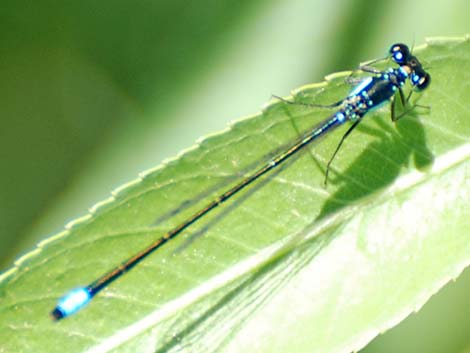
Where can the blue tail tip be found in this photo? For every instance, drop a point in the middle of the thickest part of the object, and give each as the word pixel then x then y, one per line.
pixel 71 303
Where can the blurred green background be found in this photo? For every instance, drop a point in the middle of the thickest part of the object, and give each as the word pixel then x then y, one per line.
pixel 94 92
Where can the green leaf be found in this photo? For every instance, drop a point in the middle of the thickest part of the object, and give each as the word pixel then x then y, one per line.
pixel 288 265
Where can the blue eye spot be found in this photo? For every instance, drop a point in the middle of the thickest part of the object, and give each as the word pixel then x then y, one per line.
pixel 415 78
pixel 398 56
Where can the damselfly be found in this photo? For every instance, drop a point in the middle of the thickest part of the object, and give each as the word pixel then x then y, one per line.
pixel 371 92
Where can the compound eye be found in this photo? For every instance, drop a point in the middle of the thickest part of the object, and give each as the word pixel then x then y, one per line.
pixel 424 82
pixel 420 80
pixel 400 53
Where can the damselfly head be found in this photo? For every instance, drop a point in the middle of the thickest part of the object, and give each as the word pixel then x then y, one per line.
pixel 401 54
